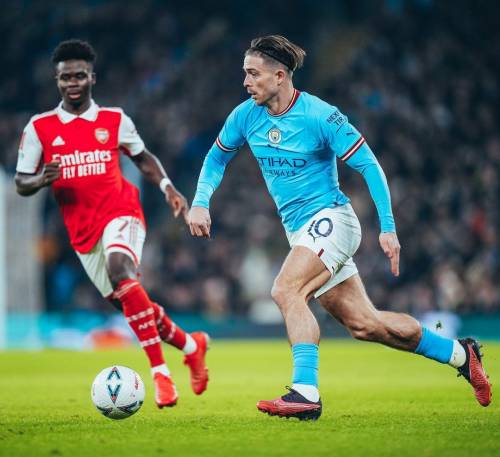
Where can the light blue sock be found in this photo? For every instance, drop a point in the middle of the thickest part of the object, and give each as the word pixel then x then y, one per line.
pixel 305 363
pixel 434 346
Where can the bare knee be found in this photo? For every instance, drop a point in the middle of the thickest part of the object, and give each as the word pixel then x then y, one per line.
pixel 280 293
pixel 120 267
pixel 116 277
pixel 284 293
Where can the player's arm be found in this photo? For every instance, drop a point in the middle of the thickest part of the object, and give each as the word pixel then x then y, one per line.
pixel 150 166
pixel 361 158
pixel 152 170
pixel 28 184
pixel 351 148
pixel 30 178
pixel 220 154
pixel 211 176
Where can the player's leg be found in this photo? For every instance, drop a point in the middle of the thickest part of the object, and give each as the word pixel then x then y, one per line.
pixel 95 264
pixel 194 345
pixel 349 303
pixel 125 236
pixel 320 249
pixel 139 312
pixel 301 274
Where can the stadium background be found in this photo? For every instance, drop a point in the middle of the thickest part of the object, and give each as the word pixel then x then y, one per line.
pixel 418 78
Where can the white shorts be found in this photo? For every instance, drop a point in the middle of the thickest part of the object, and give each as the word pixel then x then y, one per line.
pixel 125 234
pixel 334 234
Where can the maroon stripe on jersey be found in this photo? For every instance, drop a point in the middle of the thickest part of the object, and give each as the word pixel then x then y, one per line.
pixel 320 253
pixel 353 149
pixel 296 94
pixel 122 246
pixel 224 148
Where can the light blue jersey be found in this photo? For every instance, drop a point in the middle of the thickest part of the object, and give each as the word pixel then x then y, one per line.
pixel 296 151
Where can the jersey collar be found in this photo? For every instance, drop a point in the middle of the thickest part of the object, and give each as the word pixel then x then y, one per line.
pixel 296 94
pixel 89 115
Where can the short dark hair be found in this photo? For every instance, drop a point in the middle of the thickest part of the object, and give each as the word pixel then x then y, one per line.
pixel 280 49
pixel 74 50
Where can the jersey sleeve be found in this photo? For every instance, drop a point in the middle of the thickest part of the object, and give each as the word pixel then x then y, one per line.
pixel 349 146
pixel 30 151
pixel 128 138
pixel 339 134
pixel 230 139
pixel 364 162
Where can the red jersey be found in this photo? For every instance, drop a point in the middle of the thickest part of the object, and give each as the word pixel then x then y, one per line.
pixel 91 190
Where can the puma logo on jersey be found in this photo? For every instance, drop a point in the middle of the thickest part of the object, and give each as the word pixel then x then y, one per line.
pixel 58 141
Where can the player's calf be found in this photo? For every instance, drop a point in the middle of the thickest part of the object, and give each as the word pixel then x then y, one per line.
pixel 170 332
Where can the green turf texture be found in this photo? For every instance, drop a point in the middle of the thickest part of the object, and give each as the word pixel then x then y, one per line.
pixel 377 402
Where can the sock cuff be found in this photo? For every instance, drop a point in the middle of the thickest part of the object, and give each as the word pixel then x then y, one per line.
pixel 418 349
pixel 304 347
pixel 434 346
pixel 124 287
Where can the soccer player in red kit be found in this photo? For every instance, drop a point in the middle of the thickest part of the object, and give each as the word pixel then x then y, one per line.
pixel 75 149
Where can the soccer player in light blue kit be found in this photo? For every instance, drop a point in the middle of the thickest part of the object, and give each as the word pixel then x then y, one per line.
pixel 297 139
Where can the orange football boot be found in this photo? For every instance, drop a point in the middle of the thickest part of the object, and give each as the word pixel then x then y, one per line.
pixel 165 391
pixel 473 371
pixel 196 363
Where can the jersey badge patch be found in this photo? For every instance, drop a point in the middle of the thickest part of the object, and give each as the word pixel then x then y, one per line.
pixel 274 135
pixel 102 135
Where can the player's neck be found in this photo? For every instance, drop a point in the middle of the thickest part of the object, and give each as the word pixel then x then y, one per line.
pixel 283 99
pixel 76 109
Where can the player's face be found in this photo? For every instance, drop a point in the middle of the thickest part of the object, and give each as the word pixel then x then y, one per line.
pixel 261 79
pixel 75 79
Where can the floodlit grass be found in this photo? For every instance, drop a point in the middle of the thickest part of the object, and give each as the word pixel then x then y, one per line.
pixel 377 402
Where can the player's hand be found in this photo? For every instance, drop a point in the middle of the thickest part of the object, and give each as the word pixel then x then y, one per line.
pixel 177 202
pixel 51 172
pixel 199 221
pixel 390 245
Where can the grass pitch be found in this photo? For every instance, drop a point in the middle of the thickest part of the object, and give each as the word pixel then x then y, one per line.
pixel 377 402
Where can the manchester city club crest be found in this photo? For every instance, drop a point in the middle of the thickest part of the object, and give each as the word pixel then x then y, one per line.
pixel 102 135
pixel 274 135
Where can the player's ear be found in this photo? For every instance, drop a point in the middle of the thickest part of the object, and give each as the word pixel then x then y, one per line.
pixel 93 78
pixel 280 76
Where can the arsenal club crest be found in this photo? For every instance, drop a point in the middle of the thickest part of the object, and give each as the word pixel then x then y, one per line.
pixel 274 135
pixel 102 135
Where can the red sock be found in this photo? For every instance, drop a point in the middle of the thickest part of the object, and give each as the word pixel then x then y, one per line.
pixel 168 330
pixel 139 312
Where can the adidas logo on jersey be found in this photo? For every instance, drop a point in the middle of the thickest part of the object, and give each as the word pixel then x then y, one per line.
pixel 58 141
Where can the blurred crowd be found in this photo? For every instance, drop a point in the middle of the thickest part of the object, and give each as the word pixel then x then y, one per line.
pixel 419 79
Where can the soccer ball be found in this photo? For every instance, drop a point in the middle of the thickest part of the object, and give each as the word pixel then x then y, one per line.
pixel 118 392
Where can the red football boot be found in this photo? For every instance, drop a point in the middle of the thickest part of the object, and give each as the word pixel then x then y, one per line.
pixel 473 371
pixel 196 363
pixel 165 391
pixel 291 404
